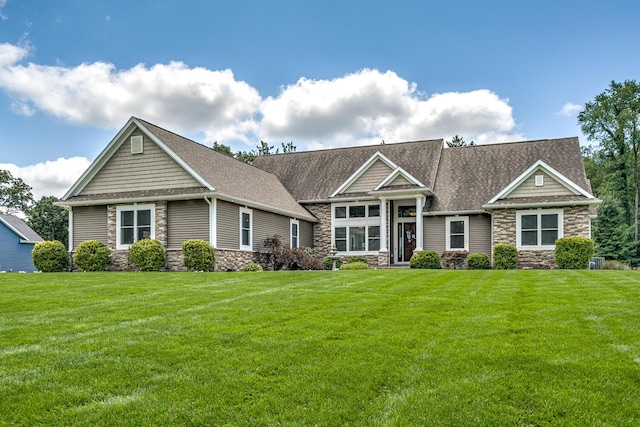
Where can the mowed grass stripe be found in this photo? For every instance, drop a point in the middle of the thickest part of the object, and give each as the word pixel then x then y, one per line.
pixel 322 348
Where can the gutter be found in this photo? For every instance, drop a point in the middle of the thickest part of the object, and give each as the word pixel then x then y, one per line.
pixel 219 196
pixel 591 202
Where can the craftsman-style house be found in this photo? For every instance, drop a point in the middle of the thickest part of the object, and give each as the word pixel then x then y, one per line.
pixel 383 202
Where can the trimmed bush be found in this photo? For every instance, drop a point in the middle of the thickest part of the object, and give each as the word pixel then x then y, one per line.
pixel 426 260
pixel 574 252
pixel 198 255
pixel 505 257
pixel 357 259
pixel 50 257
pixel 252 266
pixel 147 255
pixel 358 265
pixel 478 261
pixel 92 255
pixel 328 263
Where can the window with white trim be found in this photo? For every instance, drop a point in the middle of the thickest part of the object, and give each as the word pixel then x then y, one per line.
pixel 246 229
pixel 133 223
pixel 356 227
pixel 457 233
pixel 539 229
pixel 294 241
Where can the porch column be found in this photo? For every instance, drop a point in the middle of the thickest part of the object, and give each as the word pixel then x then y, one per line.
pixel 383 224
pixel 419 228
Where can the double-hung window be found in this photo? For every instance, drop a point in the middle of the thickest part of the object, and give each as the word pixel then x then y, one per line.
pixel 295 233
pixel 457 233
pixel 356 227
pixel 246 229
pixel 538 229
pixel 133 223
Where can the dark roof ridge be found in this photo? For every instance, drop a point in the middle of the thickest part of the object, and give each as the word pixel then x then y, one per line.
pixel 360 146
pixel 524 141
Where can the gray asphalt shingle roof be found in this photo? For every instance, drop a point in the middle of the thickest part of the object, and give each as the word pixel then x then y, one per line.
pixel 315 175
pixel 21 227
pixel 227 175
pixel 468 177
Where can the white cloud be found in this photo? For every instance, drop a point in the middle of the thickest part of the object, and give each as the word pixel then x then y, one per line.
pixel 51 178
pixel 178 97
pixel 569 109
pixel 369 106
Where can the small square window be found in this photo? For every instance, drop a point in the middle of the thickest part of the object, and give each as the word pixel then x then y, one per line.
pixel 374 211
pixel 356 212
pixel 341 211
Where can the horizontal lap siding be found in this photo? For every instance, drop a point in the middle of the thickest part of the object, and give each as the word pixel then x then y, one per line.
pixel 551 187
pixel 228 225
pixel 89 223
pixel 370 179
pixel 306 234
pixel 266 224
pixel 187 219
pixel 151 170
pixel 434 234
pixel 480 234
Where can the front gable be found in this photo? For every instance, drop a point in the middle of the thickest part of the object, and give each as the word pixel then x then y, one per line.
pixel 135 160
pixel 376 173
pixel 540 180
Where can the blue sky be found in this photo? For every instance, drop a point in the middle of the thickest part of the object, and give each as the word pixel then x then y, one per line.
pixel 317 73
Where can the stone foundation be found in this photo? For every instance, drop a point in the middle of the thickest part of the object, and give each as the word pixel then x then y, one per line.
pixel 383 259
pixel 231 260
pixel 536 260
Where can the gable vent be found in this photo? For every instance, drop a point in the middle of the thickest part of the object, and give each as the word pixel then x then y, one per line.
pixel 539 180
pixel 136 144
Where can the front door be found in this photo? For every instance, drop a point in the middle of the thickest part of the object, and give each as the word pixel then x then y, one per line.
pixel 406 240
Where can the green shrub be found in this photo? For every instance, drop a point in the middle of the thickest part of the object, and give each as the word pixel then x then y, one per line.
pixel 328 263
pixel 574 252
pixel 50 257
pixel 252 266
pixel 425 259
pixel 615 265
pixel 478 261
pixel 147 255
pixel 198 255
pixel 355 266
pixel 357 259
pixel 92 255
pixel 505 257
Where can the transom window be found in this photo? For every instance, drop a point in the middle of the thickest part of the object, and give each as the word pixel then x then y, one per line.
pixel 457 233
pixel 356 227
pixel 133 223
pixel 539 229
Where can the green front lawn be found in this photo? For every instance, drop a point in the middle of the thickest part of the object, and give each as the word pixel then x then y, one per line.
pixel 376 347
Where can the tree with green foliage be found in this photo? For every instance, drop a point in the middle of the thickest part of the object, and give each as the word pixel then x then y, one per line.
pixel 51 222
pixel 612 119
pixel 15 195
pixel 263 149
pixel 458 141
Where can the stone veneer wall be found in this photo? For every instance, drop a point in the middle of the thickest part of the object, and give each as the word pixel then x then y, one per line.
pixel 322 229
pixel 576 223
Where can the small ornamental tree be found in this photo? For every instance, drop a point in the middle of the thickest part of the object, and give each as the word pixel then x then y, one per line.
pixel 478 261
pixel 147 255
pixel 505 257
pixel 92 255
pixel 50 257
pixel 199 255
pixel 574 252
pixel 425 259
